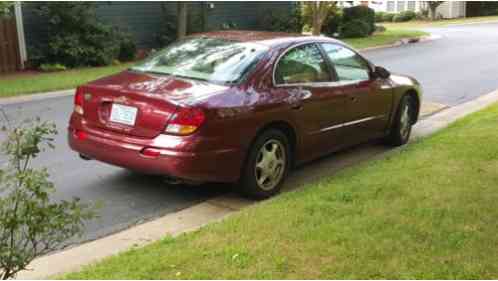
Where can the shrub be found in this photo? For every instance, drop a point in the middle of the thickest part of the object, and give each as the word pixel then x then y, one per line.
pixel 360 13
pixel 405 16
pixel 76 38
pixel 388 17
pixel 32 222
pixel 167 34
pixel 355 29
pixel 380 16
pixel 307 28
pixel 228 25
pixel 421 16
pixel 127 47
pixel 333 24
pixel 282 21
pixel 6 9
pixel 50 67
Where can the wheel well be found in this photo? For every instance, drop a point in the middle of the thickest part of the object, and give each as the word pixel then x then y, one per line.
pixel 285 128
pixel 415 99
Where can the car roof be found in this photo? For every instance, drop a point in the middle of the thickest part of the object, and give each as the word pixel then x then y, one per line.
pixel 268 38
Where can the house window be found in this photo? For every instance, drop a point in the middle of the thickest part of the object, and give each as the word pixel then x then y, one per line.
pixel 401 6
pixel 411 5
pixel 390 6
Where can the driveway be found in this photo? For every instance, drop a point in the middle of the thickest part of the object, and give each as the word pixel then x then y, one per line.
pixel 459 67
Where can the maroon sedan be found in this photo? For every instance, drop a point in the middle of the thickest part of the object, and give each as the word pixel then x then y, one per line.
pixel 241 106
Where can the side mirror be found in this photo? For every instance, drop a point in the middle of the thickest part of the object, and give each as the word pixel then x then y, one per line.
pixel 381 72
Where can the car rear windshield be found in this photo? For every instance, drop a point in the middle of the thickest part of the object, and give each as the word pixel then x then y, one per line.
pixel 201 58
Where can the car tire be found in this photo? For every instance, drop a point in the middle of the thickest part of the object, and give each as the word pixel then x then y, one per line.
pixel 402 124
pixel 267 165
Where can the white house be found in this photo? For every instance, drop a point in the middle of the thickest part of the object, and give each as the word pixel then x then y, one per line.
pixel 447 10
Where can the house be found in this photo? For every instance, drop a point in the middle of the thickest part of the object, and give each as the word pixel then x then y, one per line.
pixel 447 10
pixel 143 20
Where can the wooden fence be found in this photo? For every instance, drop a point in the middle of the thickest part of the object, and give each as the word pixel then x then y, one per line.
pixel 9 47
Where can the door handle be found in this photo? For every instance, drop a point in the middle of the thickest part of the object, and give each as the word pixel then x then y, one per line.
pixel 354 99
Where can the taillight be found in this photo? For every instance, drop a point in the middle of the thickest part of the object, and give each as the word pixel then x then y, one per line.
pixel 78 102
pixel 80 135
pixel 185 121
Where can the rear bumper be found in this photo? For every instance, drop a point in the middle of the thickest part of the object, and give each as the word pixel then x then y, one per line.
pixel 213 165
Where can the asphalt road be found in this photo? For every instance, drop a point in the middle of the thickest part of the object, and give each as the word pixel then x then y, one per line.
pixel 456 68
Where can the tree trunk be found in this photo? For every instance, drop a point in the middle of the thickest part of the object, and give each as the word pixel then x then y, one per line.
pixel 181 24
pixel 317 26
pixel 433 13
pixel 317 21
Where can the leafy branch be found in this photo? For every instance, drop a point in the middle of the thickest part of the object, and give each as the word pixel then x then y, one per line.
pixel 31 224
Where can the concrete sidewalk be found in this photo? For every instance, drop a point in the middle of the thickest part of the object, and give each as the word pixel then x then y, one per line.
pixel 218 208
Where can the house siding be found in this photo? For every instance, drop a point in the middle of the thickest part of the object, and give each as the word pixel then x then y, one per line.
pixel 143 20
pixel 245 15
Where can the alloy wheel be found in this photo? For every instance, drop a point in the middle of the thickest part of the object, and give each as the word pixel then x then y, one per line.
pixel 270 164
pixel 405 121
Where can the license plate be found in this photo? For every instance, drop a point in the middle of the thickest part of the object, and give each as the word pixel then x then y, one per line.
pixel 123 114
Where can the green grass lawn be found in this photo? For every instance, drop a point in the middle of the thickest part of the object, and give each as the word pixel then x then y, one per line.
pixel 20 84
pixel 390 36
pixel 438 23
pixel 424 211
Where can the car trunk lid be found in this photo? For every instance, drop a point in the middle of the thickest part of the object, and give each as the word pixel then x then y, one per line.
pixel 139 104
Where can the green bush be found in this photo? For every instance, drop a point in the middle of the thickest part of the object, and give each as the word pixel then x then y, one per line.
pixel 167 34
pixel 355 29
pixel 360 13
pixel 76 38
pixel 388 17
pixel 282 21
pixel 6 9
pixel 380 16
pixel 127 47
pixel 49 67
pixel 333 24
pixel 33 222
pixel 421 16
pixel 405 16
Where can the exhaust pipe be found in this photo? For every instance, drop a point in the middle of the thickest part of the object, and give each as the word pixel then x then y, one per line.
pixel 84 157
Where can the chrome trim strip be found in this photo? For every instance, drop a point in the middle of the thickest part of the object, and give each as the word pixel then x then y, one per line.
pixel 320 84
pixel 350 123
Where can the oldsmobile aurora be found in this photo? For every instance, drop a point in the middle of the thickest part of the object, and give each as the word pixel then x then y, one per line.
pixel 241 106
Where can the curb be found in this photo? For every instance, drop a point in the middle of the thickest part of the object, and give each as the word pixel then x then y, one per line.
pixel 467 23
pixel 173 224
pixel 404 41
pixel 449 115
pixel 199 215
pixel 35 97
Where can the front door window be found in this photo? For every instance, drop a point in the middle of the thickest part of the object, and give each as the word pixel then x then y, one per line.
pixel 303 64
pixel 348 65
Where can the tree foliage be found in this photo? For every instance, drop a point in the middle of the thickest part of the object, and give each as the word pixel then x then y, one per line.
pixel 77 38
pixel 6 8
pixel 283 21
pixel 360 12
pixel 316 14
pixel 31 224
